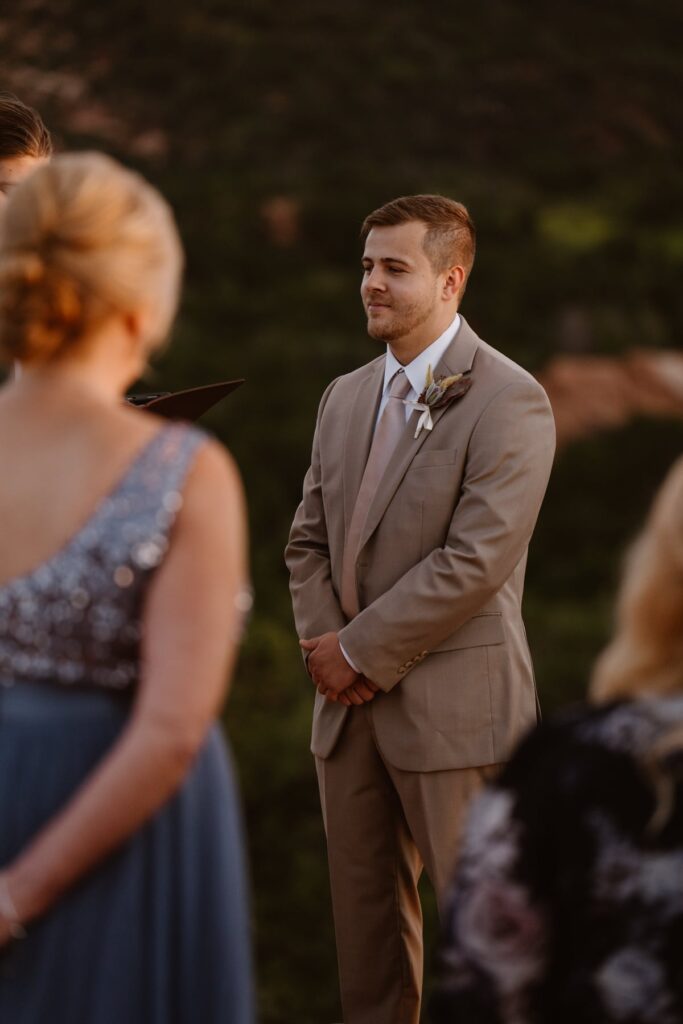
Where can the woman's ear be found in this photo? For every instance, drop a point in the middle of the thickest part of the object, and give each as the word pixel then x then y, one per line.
pixel 135 322
pixel 141 327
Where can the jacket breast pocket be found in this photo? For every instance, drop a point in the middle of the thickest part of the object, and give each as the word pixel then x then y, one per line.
pixel 434 457
pixel 434 475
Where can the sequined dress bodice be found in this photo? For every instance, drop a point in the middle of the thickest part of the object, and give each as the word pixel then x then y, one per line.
pixel 76 619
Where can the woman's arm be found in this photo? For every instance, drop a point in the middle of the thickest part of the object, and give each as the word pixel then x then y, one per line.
pixel 191 628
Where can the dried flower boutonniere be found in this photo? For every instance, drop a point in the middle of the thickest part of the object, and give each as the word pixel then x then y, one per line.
pixel 439 392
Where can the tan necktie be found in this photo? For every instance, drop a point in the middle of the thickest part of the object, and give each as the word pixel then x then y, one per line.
pixel 391 425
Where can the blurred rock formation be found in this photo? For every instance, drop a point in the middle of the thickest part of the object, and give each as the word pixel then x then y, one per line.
pixel 593 393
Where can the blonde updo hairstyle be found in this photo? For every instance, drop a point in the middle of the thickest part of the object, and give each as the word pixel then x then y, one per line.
pixel 82 239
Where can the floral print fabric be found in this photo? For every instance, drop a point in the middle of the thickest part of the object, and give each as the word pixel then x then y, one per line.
pixel 567 906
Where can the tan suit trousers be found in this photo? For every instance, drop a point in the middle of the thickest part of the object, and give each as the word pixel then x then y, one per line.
pixel 383 825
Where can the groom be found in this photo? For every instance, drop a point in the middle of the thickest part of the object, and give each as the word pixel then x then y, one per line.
pixel 407 557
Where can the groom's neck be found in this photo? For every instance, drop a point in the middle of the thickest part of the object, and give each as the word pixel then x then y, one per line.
pixel 410 346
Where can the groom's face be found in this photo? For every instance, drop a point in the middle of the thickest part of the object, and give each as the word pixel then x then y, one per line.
pixel 399 287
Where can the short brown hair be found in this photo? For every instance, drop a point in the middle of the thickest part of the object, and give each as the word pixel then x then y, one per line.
pixel 22 132
pixel 450 237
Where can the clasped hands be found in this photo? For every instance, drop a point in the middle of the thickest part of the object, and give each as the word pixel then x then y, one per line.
pixel 332 674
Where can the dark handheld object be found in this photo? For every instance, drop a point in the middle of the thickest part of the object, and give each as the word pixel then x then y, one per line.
pixel 185 405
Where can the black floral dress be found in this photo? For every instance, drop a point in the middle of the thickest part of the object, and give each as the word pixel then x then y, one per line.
pixel 567 906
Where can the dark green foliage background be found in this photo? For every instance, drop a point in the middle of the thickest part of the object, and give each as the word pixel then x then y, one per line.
pixel 558 125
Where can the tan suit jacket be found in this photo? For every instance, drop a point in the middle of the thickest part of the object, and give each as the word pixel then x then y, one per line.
pixel 440 571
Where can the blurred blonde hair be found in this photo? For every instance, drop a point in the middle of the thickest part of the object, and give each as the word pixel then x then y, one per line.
pixel 646 653
pixel 83 238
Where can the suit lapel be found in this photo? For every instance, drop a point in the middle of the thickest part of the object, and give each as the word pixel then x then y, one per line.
pixel 458 357
pixel 359 431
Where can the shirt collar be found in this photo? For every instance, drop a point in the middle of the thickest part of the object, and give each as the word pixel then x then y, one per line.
pixel 416 371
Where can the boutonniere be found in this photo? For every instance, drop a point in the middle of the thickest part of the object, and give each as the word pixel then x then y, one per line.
pixel 439 392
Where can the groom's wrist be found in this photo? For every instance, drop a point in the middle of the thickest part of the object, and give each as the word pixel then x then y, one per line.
pixel 348 658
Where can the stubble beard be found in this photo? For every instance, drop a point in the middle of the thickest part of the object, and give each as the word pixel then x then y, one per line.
pixel 402 323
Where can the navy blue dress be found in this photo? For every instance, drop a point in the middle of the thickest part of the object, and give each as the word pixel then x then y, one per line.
pixel 159 932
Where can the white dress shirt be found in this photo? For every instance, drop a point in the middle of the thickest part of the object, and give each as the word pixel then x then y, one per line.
pixel 416 372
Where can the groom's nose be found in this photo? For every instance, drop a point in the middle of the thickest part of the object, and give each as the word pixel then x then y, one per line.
pixel 375 281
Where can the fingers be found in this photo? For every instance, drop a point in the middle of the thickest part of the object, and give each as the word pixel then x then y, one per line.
pixel 360 692
pixel 310 645
pixel 354 696
pixel 344 697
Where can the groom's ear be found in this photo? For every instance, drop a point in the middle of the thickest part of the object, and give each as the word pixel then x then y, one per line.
pixel 453 281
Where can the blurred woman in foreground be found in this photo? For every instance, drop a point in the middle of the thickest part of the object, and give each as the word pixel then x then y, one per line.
pixel 568 900
pixel 122 579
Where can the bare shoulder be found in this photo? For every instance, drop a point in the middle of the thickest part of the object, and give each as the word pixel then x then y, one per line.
pixel 215 466
pixel 214 485
pixel 135 421
pixel 212 479
pixel 213 469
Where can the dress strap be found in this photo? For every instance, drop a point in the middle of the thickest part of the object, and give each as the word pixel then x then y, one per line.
pixel 150 496
pixel 163 466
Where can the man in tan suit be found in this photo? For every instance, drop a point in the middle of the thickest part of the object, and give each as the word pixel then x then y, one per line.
pixel 407 559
